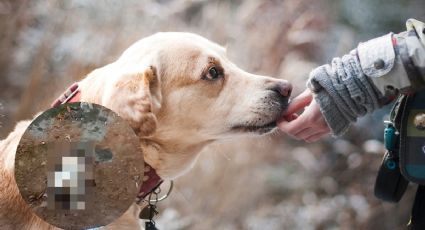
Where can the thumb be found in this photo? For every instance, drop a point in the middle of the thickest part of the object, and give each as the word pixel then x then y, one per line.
pixel 299 102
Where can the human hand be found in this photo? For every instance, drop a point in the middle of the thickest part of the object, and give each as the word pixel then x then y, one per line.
pixel 310 125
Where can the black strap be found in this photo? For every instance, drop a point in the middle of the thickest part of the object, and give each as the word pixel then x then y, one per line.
pixel 417 221
pixel 397 111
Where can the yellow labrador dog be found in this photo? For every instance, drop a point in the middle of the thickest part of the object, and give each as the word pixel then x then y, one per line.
pixel 179 92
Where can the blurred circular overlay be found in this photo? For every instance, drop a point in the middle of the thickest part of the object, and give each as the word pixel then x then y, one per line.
pixel 79 166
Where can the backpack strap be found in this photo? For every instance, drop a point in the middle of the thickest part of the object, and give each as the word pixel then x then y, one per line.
pixel 417 220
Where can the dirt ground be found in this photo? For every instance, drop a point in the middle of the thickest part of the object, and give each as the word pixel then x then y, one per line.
pixel 116 179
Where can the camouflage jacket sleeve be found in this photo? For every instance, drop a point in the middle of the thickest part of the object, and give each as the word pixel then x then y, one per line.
pixel 396 61
pixel 370 76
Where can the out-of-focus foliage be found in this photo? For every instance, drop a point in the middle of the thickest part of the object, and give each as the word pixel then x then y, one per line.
pixel 259 183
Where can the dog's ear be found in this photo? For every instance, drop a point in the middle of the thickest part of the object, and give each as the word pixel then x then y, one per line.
pixel 137 98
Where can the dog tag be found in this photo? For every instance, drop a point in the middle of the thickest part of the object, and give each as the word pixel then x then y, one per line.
pixel 150 225
pixel 146 213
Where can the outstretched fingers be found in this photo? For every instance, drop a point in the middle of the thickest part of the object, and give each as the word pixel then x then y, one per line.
pixel 310 125
pixel 299 102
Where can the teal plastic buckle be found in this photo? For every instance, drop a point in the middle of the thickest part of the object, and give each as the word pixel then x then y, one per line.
pixel 390 136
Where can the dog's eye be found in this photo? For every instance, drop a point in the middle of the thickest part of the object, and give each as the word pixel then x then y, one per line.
pixel 213 74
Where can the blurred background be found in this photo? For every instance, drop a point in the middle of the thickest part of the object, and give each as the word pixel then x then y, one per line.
pixel 254 183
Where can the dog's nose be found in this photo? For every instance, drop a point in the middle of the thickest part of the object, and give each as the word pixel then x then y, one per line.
pixel 282 87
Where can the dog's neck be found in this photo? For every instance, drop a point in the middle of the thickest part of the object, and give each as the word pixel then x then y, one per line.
pixel 169 159
pixel 74 94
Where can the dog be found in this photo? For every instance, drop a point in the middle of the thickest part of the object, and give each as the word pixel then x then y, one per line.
pixel 179 92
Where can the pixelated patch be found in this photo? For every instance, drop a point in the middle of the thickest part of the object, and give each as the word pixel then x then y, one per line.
pixel 79 166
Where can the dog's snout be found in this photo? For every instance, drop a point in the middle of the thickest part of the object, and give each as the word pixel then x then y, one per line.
pixel 283 88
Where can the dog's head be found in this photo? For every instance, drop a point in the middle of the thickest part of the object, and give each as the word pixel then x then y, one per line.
pixel 179 89
pixel 196 91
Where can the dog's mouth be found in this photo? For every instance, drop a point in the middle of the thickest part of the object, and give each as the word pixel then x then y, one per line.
pixel 259 129
pixel 266 122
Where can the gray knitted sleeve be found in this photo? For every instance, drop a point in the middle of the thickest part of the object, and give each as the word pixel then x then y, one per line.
pixel 343 92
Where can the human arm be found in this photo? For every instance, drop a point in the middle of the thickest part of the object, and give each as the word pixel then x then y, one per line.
pixel 360 82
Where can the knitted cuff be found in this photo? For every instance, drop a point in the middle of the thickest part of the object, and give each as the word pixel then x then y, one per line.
pixel 343 92
pixel 336 121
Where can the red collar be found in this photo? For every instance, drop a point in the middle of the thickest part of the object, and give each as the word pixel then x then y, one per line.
pixel 151 180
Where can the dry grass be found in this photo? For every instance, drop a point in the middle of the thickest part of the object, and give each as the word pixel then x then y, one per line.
pixel 266 183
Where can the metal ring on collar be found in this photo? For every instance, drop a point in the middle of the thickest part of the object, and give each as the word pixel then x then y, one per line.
pixel 165 196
